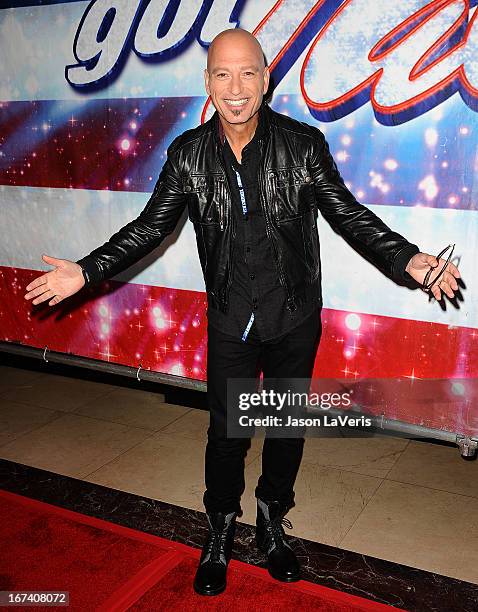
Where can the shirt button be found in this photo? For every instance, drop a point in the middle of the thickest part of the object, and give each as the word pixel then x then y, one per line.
pixel 254 307
pixel 252 276
pixel 308 179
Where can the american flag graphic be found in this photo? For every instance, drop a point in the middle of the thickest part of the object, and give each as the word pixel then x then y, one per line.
pixel 92 94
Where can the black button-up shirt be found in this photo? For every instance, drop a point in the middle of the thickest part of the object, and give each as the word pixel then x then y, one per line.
pixel 255 287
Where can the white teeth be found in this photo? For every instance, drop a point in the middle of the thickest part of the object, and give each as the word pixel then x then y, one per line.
pixel 236 102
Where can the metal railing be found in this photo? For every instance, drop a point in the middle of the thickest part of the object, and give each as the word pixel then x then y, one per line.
pixel 467 445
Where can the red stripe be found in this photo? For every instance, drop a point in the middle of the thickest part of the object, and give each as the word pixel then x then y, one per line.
pixel 385 347
pixel 382 347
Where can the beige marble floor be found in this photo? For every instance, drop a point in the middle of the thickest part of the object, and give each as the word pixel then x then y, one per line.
pixel 411 502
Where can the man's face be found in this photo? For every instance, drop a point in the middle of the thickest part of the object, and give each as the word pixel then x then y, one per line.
pixel 237 79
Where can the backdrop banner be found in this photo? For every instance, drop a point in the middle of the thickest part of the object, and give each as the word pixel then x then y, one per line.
pixel 92 94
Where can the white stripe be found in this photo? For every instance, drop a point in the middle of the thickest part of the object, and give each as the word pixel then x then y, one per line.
pixel 69 223
pixel 351 283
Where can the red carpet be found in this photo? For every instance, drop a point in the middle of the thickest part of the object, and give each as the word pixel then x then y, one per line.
pixel 108 567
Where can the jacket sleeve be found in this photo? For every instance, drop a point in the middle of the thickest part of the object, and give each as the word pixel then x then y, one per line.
pixel 357 224
pixel 140 236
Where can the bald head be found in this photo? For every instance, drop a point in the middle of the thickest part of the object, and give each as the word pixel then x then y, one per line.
pixel 236 76
pixel 227 40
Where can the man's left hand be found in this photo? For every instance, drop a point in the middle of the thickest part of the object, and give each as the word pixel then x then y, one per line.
pixel 419 265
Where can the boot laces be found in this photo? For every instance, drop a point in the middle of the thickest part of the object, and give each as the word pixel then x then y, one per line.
pixel 215 545
pixel 276 530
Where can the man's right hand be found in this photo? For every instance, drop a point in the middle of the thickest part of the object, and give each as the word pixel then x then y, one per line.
pixel 58 284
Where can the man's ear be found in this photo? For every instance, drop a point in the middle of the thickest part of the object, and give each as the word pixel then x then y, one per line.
pixel 206 81
pixel 267 76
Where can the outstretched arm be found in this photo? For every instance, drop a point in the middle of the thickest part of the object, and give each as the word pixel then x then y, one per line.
pixel 140 236
pixel 365 231
pixel 128 245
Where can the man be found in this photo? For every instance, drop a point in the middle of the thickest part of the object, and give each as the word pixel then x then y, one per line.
pixel 253 181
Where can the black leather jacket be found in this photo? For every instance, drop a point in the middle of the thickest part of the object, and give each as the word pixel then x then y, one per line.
pixel 298 177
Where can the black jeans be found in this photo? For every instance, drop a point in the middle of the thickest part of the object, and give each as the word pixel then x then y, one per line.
pixel 290 356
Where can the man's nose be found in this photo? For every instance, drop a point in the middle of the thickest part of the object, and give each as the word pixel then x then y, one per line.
pixel 236 85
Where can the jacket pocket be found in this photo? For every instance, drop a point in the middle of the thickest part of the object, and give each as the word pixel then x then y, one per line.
pixel 291 192
pixel 292 246
pixel 205 197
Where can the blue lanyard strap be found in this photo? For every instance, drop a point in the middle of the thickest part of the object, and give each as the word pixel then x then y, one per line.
pixel 248 327
pixel 241 191
pixel 244 210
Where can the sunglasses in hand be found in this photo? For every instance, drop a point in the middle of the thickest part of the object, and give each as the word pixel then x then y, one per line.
pixel 427 283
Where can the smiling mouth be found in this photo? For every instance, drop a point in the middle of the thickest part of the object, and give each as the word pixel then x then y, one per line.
pixel 236 103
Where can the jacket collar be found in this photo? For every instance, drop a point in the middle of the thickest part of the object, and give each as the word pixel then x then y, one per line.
pixel 262 130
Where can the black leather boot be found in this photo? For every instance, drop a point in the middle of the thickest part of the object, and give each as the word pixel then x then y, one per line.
pixel 271 540
pixel 216 553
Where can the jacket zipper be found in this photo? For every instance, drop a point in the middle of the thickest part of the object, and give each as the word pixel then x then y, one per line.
pixel 229 279
pixel 221 213
pixel 290 300
pixel 222 218
pixel 274 194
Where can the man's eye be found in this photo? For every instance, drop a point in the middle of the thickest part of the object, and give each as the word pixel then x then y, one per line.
pixel 221 74
pixel 249 73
